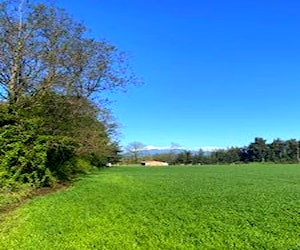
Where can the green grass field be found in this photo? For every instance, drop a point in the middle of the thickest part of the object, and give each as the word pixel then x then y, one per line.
pixel 205 207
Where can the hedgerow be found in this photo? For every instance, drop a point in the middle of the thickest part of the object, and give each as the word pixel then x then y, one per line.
pixel 49 139
pixel 27 157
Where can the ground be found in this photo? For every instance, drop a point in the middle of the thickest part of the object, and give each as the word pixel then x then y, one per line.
pixel 203 207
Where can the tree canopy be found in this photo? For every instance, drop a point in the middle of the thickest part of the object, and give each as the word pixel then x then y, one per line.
pixel 44 49
pixel 53 76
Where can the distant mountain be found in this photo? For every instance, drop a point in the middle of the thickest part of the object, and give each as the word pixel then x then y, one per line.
pixel 153 150
pixel 149 152
pixel 146 152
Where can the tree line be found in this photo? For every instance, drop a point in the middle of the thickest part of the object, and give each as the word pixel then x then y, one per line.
pixel 53 78
pixel 278 151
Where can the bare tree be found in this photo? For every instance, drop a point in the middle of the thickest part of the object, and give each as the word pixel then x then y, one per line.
pixel 43 49
pixel 134 149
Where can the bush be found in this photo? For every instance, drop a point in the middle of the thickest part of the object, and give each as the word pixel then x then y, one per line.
pixel 51 138
pixel 38 160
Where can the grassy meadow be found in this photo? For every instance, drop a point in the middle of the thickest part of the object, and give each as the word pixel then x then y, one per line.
pixel 203 207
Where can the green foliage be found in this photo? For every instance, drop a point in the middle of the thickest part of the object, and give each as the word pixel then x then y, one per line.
pixel 279 151
pixel 51 77
pixel 83 166
pixel 43 138
pixel 210 207
pixel 77 118
pixel 27 157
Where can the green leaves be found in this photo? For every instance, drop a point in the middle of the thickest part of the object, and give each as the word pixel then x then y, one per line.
pixel 28 157
pixel 50 70
pixel 41 139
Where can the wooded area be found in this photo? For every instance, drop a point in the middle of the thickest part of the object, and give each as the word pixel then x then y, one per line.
pixel 278 151
pixel 53 119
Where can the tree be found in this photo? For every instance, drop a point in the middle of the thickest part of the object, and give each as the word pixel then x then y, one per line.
pixel 258 150
pixel 174 148
pixel 134 149
pixel 226 156
pixel 43 49
pixel 76 118
pixel 51 67
pixel 292 150
pixel 52 80
pixel 185 157
pixel 200 157
pixel 277 150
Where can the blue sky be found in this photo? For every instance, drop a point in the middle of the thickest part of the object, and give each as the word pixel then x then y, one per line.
pixel 216 73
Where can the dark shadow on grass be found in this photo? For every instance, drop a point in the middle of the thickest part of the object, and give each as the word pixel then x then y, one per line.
pixel 8 208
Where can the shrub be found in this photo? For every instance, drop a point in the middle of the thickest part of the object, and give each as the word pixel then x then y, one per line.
pixel 38 160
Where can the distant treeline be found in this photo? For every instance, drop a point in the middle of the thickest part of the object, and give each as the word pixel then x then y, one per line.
pixel 279 151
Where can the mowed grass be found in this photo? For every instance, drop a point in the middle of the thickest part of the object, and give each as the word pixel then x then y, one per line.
pixel 205 207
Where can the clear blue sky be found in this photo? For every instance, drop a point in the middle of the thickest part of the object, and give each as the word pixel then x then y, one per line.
pixel 216 73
